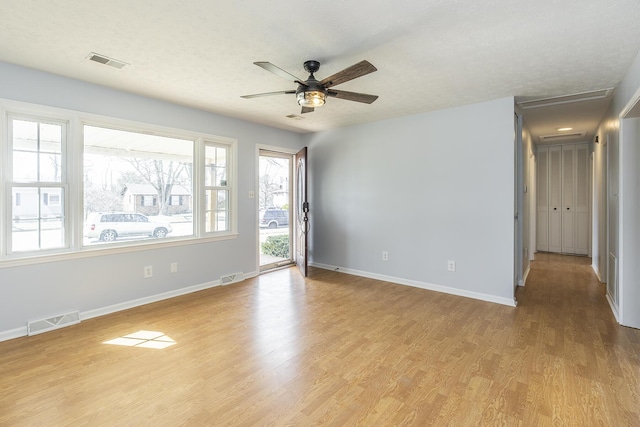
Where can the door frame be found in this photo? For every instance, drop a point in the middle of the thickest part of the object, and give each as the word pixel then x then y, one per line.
pixel 256 206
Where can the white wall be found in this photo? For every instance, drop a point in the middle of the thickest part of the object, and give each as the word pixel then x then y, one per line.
pixel 426 188
pixel 93 284
pixel 620 232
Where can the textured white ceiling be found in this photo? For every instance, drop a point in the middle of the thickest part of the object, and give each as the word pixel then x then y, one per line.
pixel 430 54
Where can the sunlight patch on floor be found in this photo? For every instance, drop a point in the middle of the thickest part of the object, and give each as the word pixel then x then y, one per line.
pixel 146 339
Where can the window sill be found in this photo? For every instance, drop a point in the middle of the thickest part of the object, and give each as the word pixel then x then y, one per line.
pixel 88 252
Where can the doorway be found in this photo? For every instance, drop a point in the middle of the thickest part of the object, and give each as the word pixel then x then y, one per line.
pixel 275 225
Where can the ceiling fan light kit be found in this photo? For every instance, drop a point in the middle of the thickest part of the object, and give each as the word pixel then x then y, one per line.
pixel 312 93
pixel 311 98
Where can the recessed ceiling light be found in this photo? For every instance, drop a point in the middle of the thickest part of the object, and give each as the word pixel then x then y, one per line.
pixel 563 129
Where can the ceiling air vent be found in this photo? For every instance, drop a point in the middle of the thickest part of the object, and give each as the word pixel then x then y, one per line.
pixel 95 57
pixel 562 137
pixel 294 117
pixel 566 99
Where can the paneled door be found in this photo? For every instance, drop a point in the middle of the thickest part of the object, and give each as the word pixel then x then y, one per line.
pixel 542 200
pixel 555 199
pixel 568 199
pixel 563 199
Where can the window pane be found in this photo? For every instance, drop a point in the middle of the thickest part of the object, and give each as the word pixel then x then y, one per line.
pixel 37 151
pixel 215 166
pixel 37 218
pixel 50 167
pixel 217 210
pixel 25 166
pixel 135 173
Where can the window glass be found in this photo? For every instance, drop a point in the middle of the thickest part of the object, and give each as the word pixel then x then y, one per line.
pixel 137 173
pixel 134 185
pixel 217 211
pixel 37 189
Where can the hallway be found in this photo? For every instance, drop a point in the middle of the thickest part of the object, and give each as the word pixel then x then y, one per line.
pixel 587 364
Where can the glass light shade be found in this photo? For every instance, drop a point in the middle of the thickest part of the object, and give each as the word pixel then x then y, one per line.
pixel 311 99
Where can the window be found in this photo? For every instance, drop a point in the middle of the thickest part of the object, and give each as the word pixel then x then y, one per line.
pixel 120 165
pixel 216 188
pixel 148 201
pixel 37 184
pixel 72 183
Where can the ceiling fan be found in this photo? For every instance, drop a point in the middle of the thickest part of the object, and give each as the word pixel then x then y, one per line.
pixel 312 93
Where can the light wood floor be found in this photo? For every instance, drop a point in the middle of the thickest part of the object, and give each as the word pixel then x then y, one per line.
pixel 338 350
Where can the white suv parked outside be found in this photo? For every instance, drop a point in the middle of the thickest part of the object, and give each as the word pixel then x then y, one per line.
pixel 109 226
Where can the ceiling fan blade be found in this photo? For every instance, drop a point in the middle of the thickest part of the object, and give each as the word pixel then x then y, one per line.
pixel 279 72
pixel 259 95
pixel 357 70
pixel 353 96
pixel 307 110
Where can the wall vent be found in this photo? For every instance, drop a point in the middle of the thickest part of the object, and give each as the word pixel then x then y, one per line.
pixel 231 278
pixel 101 59
pixel 562 137
pixel 56 322
pixel 565 99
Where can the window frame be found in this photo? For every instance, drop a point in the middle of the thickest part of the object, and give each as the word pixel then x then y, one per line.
pixel 231 220
pixel 8 183
pixel 72 178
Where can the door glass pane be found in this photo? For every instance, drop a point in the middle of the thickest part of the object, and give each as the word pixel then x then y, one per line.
pixel 274 210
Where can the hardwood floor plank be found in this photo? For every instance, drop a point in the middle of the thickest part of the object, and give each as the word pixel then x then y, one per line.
pixel 334 349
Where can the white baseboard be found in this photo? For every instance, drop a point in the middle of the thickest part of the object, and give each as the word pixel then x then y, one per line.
pixel 13 333
pixel 524 276
pixel 422 285
pixel 89 314
pixel 614 309
pixel 595 269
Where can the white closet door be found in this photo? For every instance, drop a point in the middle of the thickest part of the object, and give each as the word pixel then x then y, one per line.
pixel 568 199
pixel 582 200
pixel 555 199
pixel 542 191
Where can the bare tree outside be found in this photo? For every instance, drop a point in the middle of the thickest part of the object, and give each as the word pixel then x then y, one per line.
pixel 270 180
pixel 163 175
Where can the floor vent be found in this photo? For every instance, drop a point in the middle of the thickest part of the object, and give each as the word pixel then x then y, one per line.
pixel 56 322
pixel 231 278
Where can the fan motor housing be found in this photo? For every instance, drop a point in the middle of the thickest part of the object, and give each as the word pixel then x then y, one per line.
pixel 312 66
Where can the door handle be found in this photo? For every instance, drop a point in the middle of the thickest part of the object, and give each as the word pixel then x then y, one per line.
pixel 555 209
pixel 567 208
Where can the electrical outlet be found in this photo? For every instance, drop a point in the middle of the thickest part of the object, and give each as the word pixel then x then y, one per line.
pixel 385 256
pixel 174 267
pixel 252 194
pixel 451 265
pixel 148 271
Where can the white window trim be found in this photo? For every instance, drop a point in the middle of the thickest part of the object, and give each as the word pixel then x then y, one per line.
pixel 74 203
